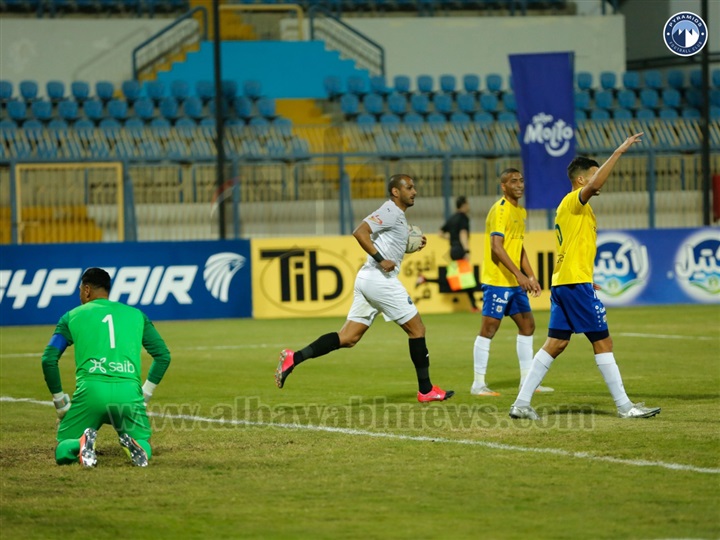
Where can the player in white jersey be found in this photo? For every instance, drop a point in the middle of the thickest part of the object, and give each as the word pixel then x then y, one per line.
pixel 383 235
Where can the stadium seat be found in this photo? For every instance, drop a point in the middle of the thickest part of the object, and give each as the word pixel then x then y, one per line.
pixel 466 103
pixel 205 90
pixel 243 108
pixel 155 90
pixel 160 123
pixel 144 109
pixel 41 110
pixel 690 112
pixel 676 79
pixel 389 119
pixel 28 90
pixel 333 87
pixel 436 118
pixel 425 84
pixel 180 90
pixel 715 97
pixel 608 80
pixel 365 119
pixel 397 104
pixel 645 114
pixel 109 124
pixel 584 80
pixel 55 90
pixel 671 97
pixel 169 108
pixel 509 102
pixel 507 116
pixel 696 78
pixel 401 84
pixel 714 113
pixel 229 89
pixel 649 98
pixel 104 90
pixel 471 83
pixel 58 125
pixel 7 125
pixel 80 91
pixel 604 99
pixel 83 125
pixel 493 82
pixel 443 104
pixel 483 118
pixel 374 104
pixel 117 109
pixel 420 104
pixel 185 122
pixel 622 114
pixel 694 97
pixel 599 114
pixel 132 90
pixel 266 108
pixel 212 110
pixel 488 102
pixel 208 122
pixel 653 79
pixel 715 78
pixel 580 114
pixel 627 99
pixel 631 80
pixel 357 85
pixel 33 128
pixel 93 110
pixel 582 100
pixel 252 89
pixel 448 84
pixel 413 119
pixel 460 118
pixel 68 110
pixel 193 107
pixel 379 86
pixel 350 105
pixel 259 121
pixel 6 91
pixel 668 114
pixel 134 124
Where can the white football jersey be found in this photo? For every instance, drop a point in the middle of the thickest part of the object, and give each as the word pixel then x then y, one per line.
pixel 389 234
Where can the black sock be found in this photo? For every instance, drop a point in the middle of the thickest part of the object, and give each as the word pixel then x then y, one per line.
pixel 421 358
pixel 471 296
pixel 321 346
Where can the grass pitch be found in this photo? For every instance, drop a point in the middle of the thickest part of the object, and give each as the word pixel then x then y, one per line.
pixel 345 451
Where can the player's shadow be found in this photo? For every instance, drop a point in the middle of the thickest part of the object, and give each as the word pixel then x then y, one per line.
pixel 681 397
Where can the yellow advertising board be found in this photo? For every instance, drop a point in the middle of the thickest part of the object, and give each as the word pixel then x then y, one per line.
pixel 314 276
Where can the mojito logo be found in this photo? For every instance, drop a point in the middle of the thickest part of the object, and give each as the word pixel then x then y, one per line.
pixel 304 280
pixel 697 266
pixel 685 33
pixel 556 137
pixel 621 267
pixel 219 271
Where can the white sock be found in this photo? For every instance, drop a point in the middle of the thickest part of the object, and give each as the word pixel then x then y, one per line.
pixel 524 347
pixel 540 365
pixel 611 373
pixel 481 355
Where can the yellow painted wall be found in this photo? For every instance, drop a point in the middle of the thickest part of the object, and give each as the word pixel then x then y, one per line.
pixel 314 276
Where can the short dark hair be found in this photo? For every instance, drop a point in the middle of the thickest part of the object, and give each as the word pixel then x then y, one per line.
pixel 96 278
pixel 507 171
pixel 462 199
pixel 578 165
pixel 396 181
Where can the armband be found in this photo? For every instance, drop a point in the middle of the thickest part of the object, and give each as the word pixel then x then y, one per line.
pixel 378 257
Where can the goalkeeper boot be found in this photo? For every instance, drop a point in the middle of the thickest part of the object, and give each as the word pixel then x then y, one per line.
pixel 639 410
pixel 436 394
pixel 285 367
pixel 523 412
pixel 87 456
pixel 134 451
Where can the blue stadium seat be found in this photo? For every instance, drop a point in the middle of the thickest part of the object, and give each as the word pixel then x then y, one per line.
pixel 333 87
pixel 374 104
pixel 109 125
pixel 160 123
pixel 68 110
pixel 397 104
pixel 357 85
pixel 389 119
pixel 580 114
pixel 608 80
pixel 155 90
pixel 93 110
pixel 690 112
pixel 627 99
pixel 350 105
pixel 7 125
pixel 466 103
pixel 229 89
pixel 6 91
pixel 180 90
pixel 379 86
pixel 401 83
pixel 117 109
pixel 193 107
pixel 104 90
pixel 582 100
pixel 366 120
pixel 694 97
pixel 483 118
pixel 413 118
pixel 676 79
pixel 243 108
pixel 211 109
pixel 471 83
pixel 671 97
pixel 604 99
pixel 28 90
pixel 493 82
pixel 425 84
pixel 83 125
pixel 266 108
pixel 131 90
pixel 714 113
pixel 80 91
pixel 33 129
pixel 509 102
pixel 653 79
pixel 645 114
pixel 460 118
pixel 58 125
pixel 436 118
pixel 169 108
pixel 144 109
pixel 134 124
pixel 42 110
pixel 507 116
pixel 649 98
pixel 696 78
pixel 600 114
pixel 420 104
pixel 631 80
pixel 443 104
pixel 584 80
pixel 208 122
pixel 715 97
pixel 715 78
pixel 668 114
pixel 488 102
pixel 252 89
pixel 205 90
pixel 448 84
pixel 55 90
pixel 259 121
pixel 185 122
pixel 622 114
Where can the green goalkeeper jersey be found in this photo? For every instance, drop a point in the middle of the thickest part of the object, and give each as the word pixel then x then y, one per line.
pixel 108 337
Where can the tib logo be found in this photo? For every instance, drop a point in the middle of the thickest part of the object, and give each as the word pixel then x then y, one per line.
pixel 554 135
pixel 697 266
pixel 621 268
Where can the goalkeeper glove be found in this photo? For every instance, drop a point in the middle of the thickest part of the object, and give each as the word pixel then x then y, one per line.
pixel 147 389
pixel 62 404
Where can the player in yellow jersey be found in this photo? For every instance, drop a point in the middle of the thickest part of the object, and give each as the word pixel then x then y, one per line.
pixel 575 307
pixel 507 278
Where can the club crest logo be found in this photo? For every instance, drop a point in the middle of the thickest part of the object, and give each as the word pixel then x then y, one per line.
pixel 697 266
pixel 621 268
pixel 219 271
pixel 685 33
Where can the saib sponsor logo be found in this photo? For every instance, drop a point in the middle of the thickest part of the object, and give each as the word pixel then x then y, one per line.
pixel 555 137
pixel 621 268
pixel 697 266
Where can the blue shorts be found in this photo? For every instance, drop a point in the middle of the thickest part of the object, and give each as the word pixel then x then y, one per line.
pixel 577 309
pixel 501 301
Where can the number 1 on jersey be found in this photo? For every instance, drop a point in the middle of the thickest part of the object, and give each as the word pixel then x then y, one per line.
pixel 111 329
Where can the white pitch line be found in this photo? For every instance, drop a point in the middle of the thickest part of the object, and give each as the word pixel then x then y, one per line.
pixel 668 336
pixel 418 438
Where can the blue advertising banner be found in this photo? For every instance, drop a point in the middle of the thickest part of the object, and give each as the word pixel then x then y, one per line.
pixel 543 85
pixel 668 266
pixel 166 280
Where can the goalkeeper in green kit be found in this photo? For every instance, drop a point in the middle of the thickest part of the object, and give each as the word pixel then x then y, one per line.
pixel 108 337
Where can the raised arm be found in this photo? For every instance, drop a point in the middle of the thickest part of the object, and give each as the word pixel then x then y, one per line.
pixel 596 182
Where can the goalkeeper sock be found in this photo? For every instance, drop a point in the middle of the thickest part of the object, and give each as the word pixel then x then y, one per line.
pixel 145 445
pixel 421 359
pixel 66 452
pixel 321 346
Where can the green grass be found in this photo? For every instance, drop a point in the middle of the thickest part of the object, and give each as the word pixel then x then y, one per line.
pixel 457 469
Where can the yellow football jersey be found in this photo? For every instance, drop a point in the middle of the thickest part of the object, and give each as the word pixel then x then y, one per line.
pixel 508 221
pixel 576 235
